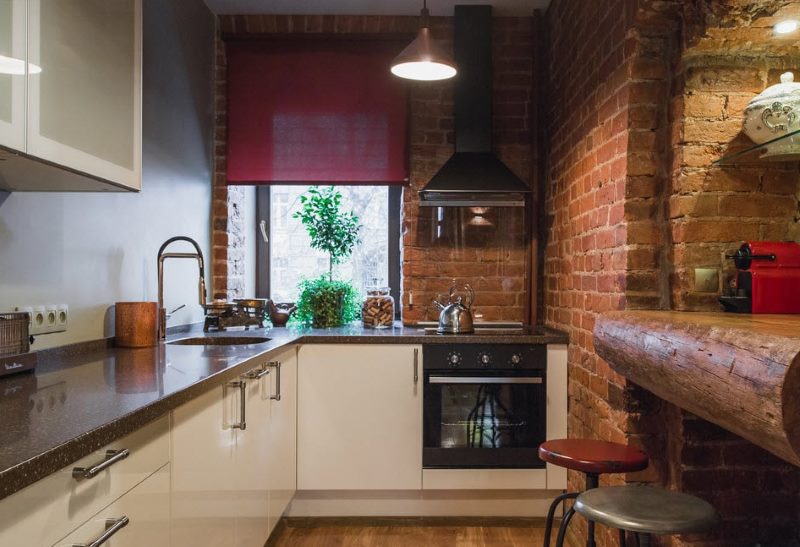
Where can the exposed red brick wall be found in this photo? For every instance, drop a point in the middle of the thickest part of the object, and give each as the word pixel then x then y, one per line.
pixel 729 55
pixel 227 219
pixel 640 105
pixel 492 259
pixel 607 128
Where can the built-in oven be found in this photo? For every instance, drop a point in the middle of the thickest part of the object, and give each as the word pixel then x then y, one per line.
pixel 484 405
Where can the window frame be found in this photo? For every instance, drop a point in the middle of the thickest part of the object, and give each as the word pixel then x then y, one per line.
pixel 264 248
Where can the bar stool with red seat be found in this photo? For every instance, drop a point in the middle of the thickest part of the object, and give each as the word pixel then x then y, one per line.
pixel 592 458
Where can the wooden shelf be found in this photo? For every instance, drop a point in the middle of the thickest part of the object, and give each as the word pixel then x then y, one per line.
pixel 740 372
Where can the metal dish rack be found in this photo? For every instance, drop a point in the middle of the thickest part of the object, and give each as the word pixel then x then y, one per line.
pixel 14 338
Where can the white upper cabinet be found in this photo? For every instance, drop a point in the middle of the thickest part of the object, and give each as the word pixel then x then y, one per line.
pixel 12 74
pixel 84 107
pixel 75 117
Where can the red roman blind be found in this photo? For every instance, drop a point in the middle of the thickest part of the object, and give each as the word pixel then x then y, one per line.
pixel 315 111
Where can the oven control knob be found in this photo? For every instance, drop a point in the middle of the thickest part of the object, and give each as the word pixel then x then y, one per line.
pixel 454 358
pixel 484 358
pixel 516 359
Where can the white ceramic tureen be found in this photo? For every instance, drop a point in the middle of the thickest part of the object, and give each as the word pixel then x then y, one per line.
pixel 773 114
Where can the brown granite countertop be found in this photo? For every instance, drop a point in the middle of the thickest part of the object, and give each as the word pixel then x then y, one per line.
pixel 85 396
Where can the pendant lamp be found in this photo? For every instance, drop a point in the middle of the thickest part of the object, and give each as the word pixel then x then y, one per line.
pixel 424 59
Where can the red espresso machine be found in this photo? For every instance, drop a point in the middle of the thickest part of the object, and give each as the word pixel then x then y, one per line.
pixel 767 280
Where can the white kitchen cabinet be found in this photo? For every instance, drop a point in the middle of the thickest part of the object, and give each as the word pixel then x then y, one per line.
pixel 251 473
pixel 203 462
pixel 359 417
pixel 84 107
pixel 79 108
pixel 221 453
pixel 64 502
pixel 140 517
pixel 12 86
pixel 282 443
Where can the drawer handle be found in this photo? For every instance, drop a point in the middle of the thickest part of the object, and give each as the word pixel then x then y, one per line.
pixel 112 527
pixel 112 457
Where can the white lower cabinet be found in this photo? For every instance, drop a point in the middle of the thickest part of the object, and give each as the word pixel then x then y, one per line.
pixel 233 455
pixel 140 517
pixel 51 508
pixel 282 445
pixel 360 417
pixel 203 461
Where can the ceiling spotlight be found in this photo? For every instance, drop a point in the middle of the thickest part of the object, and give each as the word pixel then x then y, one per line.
pixel 786 27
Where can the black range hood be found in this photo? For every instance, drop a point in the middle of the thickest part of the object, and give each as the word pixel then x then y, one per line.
pixel 474 176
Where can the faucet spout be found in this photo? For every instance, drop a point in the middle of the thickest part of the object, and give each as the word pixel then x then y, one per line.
pixel 201 285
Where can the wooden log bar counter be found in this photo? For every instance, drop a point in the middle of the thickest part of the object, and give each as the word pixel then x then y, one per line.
pixel 741 372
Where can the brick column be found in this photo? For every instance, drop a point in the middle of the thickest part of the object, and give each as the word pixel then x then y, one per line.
pixel 228 229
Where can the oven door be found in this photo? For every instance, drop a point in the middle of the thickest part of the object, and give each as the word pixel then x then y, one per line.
pixel 483 419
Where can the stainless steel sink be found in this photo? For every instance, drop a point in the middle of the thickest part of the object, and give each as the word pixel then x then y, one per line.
pixel 220 341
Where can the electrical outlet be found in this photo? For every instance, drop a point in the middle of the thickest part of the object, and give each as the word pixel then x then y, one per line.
pixel 62 319
pixel 38 325
pixel 46 319
pixel 50 314
pixel 706 280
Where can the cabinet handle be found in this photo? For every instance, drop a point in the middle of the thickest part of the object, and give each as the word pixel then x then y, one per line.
pixel 242 385
pixel 112 527
pixel 277 365
pixel 416 365
pixel 112 457
pixel 256 373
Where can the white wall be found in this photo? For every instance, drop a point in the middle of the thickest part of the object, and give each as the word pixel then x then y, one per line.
pixel 91 250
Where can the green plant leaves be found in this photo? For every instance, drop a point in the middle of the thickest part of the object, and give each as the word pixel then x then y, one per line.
pixel 325 303
pixel 331 230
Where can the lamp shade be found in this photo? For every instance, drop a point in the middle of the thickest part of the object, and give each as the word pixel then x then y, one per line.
pixel 424 59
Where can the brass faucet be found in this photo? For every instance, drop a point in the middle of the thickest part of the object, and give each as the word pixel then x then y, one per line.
pixel 198 255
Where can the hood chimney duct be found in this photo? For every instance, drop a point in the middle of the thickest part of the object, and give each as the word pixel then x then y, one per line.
pixel 474 176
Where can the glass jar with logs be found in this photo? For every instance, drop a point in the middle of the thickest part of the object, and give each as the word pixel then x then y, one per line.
pixel 377 310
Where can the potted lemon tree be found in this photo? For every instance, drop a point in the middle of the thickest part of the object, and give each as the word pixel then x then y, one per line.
pixel 325 301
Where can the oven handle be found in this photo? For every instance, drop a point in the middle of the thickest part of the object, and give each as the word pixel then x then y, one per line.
pixel 484 380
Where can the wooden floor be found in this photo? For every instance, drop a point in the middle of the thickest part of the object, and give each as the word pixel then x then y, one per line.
pixel 406 535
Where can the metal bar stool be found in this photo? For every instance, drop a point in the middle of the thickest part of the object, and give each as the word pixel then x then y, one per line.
pixel 645 510
pixel 592 458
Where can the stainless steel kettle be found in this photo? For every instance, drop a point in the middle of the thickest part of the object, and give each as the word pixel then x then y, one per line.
pixel 456 317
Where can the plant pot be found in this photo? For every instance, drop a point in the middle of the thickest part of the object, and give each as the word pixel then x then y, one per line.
pixel 325 303
pixel 327 309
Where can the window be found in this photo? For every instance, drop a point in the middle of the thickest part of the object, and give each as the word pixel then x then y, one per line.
pixel 287 257
pixel 280 211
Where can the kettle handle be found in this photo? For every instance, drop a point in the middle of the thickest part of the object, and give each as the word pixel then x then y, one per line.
pixel 471 294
